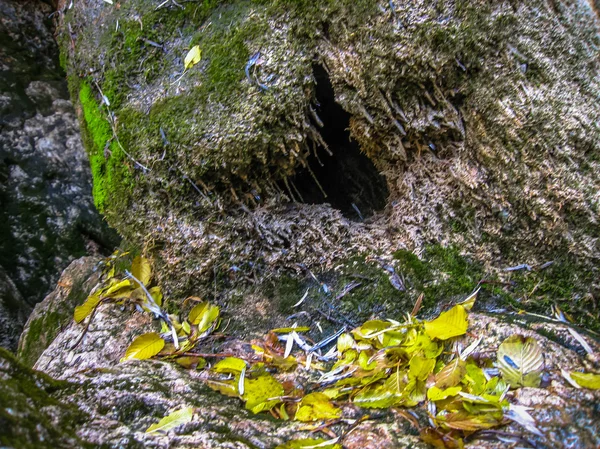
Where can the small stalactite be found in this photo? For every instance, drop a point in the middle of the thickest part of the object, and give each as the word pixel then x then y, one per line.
pixel 341 174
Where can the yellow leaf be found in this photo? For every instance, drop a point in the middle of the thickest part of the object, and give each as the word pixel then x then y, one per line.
pixel 115 289
pixel 449 324
pixel 144 347
pixel 420 368
pixel 587 380
pixel 193 57
pixel 436 394
pixel 203 315
pixel 191 362
pixel 229 365
pixel 171 421
pixel 157 295
pixel 285 330
pixel 86 308
pixel 261 393
pixel 521 361
pixel 141 269
pixel 186 327
pixel 317 406
pixel 311 444
pixel 344 342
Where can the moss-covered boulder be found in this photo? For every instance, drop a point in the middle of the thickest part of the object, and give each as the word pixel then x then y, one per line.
pixel 30 415
pixel 311 132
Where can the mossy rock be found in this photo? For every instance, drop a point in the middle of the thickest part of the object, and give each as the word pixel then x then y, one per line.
pixel 51 315
pixel 30 416
pixel 473 126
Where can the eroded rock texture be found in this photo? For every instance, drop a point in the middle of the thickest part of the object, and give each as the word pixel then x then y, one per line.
pixel 107 403
pixel 311 132
pixel 47 217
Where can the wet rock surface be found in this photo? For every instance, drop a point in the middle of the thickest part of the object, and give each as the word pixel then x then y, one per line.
pixel 47 217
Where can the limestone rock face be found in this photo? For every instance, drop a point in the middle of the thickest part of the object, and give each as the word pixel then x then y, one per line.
pixel 312 132
pixel 47 217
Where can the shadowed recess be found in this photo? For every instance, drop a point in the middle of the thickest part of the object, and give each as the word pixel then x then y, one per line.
pixel 347 176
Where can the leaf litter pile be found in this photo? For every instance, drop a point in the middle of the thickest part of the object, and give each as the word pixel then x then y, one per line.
pixel 381 364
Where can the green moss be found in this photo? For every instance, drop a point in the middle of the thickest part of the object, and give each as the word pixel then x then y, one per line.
pixel 440 274
pixel 30 416
pixel 32 346
pixel 110 172
pixel 564 283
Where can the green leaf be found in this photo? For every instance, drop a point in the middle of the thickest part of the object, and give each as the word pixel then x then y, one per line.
pixel 420 367
pixel 363 361
pixel 586 380
pixel 521 361
pixel 82 311
pixel 141 269
pixel 436 394
pixel 475 378
pixel 309 443
pixel 414 393
pixel 315 407
pixel 230 365
pixel 262 393
pixel 144 347
pixel 449 324
pixel 171 421
pixel 193 57
pixel 203 315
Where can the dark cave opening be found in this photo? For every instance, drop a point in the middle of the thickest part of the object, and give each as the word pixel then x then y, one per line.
pixel 349 178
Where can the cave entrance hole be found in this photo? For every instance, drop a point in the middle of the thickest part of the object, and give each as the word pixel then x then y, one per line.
pixel 351 181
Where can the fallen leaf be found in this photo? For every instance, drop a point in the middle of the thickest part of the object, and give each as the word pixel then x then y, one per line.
pixel 262 393
pixel 229 365
pixel 141 270
pixel 449 324
pixel 436 394
pixel 193 57
pixel 315 407
pixel 171 421
pixel 157 295
pixel 309 443
pixel 82 311
pixel 144 347
pixel 521 361
pixel 586 380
